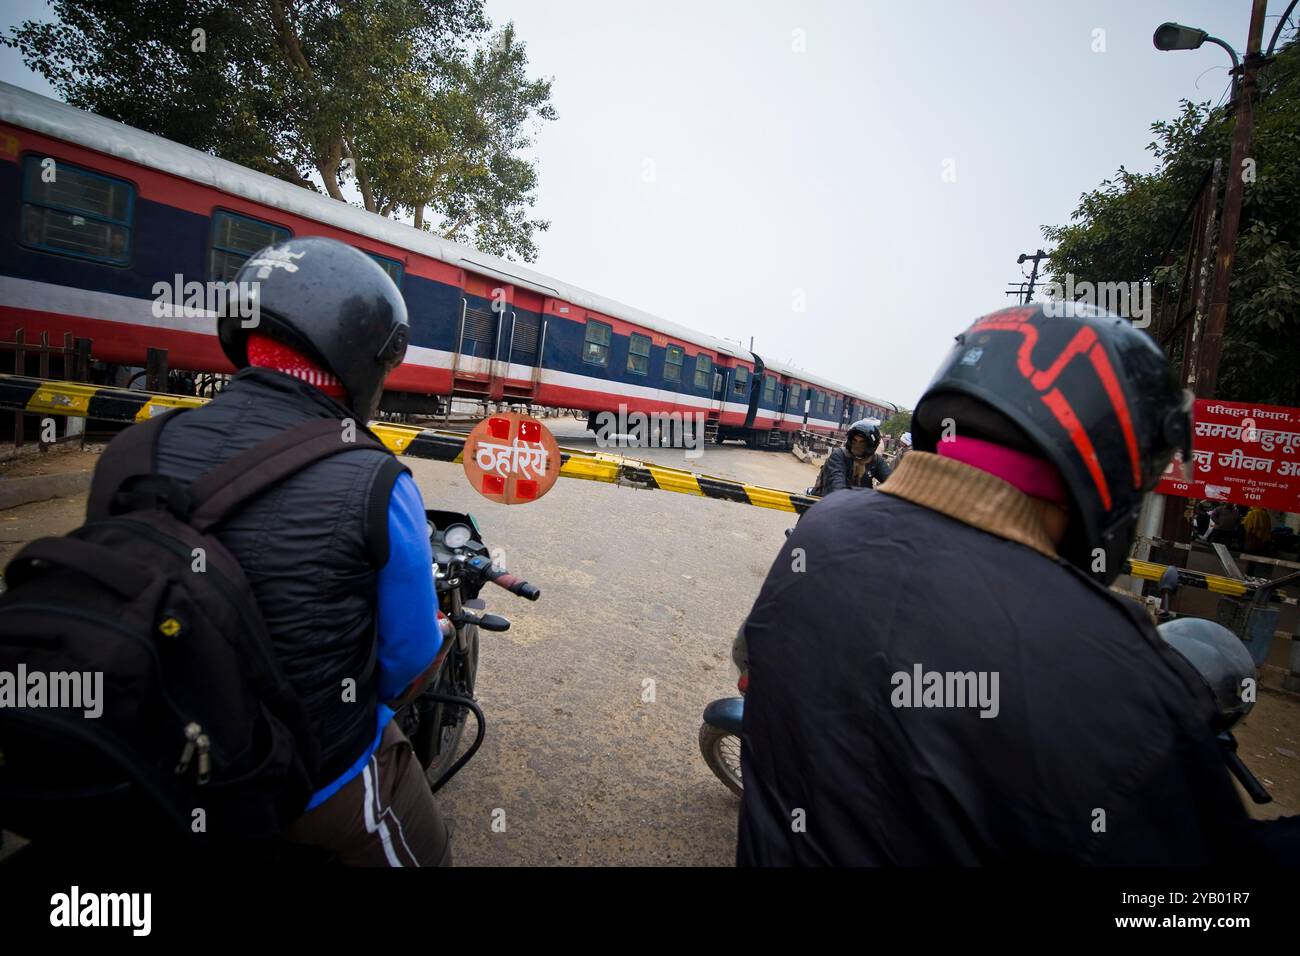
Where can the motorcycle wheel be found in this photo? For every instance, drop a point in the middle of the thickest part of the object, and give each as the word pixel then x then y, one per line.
pixel 721 751
pixel 450 721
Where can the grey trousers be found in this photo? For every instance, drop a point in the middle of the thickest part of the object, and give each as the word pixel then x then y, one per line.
pixel 384 816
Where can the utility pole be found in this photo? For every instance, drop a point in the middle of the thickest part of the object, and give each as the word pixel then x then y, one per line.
pixel 1028 290
pixel 1207 357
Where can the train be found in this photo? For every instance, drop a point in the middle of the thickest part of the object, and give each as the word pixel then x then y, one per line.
pixel 97 214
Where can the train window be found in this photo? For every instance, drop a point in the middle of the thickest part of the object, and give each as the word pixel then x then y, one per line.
pixel 795 395
pixel 741 382
pixel 595 350
pixel 76 212
pixel 391 266
pixel 819 405
pixel 673 359
pixel 638 354
pixel 769 390
pixel 703 370
pixel 234 239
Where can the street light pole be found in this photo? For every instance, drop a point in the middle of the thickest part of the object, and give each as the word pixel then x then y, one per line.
pixel 1208 352
pixel 1036 258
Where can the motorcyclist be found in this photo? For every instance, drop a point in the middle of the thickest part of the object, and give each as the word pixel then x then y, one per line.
pixel 856 464
pixel 338 555
pixel 941 674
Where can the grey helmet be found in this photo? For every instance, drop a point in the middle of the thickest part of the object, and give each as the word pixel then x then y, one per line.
pixel 329 301
pixel 1219 657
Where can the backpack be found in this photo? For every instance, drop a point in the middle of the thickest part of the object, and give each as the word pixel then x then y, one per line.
pixel 198 729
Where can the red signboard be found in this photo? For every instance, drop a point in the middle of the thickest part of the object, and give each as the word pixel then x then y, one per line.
pixel 1245 454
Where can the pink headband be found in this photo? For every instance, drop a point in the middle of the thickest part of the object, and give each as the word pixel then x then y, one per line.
pixel 1036 477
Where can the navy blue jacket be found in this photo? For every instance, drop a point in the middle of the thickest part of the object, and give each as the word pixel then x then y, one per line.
pixel 1100 750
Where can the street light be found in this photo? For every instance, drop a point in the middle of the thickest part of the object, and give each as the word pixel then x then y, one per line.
pixel 1175 36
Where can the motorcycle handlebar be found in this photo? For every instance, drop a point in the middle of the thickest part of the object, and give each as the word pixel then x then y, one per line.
pixel 516 586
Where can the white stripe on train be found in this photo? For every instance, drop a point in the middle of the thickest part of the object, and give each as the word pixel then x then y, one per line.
pixel 129 310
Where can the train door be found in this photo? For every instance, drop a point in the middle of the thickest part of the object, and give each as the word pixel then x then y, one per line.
pixel 755 391
pixel 525 342
pixel 484 309
pixel 720 377
pixel 492 336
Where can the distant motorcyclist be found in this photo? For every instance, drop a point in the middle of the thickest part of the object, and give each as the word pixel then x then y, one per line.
pixel 856 464
pixel 940 673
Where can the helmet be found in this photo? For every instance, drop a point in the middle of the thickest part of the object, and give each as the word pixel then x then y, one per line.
pixel 1219 657
pixel 329 301
pixel 869 429
pixel 1079 387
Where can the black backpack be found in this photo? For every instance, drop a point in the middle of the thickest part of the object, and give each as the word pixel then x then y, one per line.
pixel 200 732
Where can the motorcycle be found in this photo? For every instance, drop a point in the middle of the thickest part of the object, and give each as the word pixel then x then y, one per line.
pixel 720 730
pixel 720 737
pixel 435 720
pixel 1214 652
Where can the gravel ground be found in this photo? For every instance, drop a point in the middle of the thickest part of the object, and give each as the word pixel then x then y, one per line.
pixel 638 586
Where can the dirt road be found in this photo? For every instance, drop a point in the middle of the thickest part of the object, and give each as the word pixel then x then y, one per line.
pixel 593 698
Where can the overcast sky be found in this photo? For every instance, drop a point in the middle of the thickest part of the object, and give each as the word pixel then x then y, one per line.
pixel 722 163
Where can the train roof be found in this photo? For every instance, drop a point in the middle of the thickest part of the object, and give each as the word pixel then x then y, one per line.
pixel 54 118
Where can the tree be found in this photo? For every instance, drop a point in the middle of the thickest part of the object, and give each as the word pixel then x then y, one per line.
pixel 1121 230
pixel 415 102
pixel 898 424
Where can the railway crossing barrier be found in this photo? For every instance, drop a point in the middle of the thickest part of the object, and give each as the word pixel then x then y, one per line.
pixel 109 403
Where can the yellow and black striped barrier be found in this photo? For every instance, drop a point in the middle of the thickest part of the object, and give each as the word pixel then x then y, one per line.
pixel 1215 583
pixel 110 403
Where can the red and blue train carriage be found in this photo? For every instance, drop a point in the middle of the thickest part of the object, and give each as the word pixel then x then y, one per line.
pixel 87 237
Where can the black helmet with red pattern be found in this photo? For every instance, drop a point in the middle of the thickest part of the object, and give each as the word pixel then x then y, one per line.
pixel 1080 388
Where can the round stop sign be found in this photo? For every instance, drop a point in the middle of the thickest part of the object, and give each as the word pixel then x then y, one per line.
pixel 511 458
